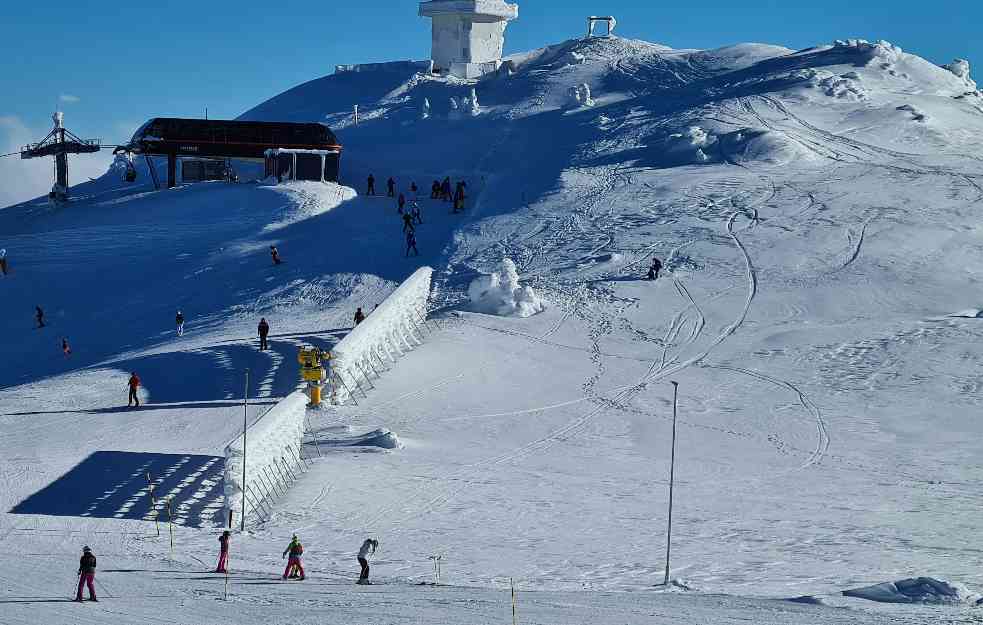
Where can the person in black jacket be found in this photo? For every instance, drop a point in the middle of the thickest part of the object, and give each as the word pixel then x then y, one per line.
pixel 359 316
pixel 391 187
pixel 87 574
pixel 654 269
pixel 264 329
pixel 371 185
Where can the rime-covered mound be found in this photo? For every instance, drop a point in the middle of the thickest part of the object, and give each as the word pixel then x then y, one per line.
pixel 499 293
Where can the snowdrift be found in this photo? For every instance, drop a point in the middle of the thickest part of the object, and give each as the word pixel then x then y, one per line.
pixel 272 446
pixel 917 590
pixel 386 334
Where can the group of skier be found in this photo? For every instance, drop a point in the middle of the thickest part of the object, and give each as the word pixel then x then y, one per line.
pixel 408 204
pixel 293 553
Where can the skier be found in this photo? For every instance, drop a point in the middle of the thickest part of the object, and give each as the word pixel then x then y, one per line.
pixel 263 328
pixel 296 550
pixel 414 192
pixel 275 253
pixel 134 384
pixel 3 262
pixel 371 188
pixel 391 187
pixel 653 273
pixel 411 244
pixel 416 212
pixel 179 320
pixel 87 574
pixel 359 316
pixel 65 349
pixel 445 189
pixel 363 552
pixel 401 202
pixel 39 316
pixel 408 223
pixel 435 190
pixel 223 554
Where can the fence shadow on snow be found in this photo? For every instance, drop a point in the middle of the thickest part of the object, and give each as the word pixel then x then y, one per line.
pixel 113 485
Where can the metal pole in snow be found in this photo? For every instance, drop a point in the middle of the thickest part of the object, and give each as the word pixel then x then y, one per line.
pixel 672 475
pixel 245 406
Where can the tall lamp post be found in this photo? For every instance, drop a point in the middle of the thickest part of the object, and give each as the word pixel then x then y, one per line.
pixel 672 475
pixel 245 404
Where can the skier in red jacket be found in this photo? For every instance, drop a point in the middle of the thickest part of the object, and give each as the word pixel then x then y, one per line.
pixel 223 554
pixel 134 384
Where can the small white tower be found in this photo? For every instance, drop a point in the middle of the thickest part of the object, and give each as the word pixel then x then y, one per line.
pixel 468 35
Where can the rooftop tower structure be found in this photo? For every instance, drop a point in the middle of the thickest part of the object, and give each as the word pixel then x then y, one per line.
pixel 468 35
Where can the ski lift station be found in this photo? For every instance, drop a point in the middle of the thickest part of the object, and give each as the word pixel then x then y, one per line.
pixel 314 151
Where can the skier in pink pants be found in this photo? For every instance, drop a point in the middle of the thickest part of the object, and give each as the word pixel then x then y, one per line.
pixel 87 574
pixel 223 555
pixel 296 550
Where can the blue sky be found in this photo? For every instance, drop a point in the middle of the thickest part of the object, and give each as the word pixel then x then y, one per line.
pixel 111 66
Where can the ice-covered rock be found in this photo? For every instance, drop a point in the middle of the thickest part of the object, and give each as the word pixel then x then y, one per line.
pixel 470 103
pixel 916 590
pixel 692 145
pixel 580 95
pixel 845 87
pixel 574 58
pixel 916 114
pixel 960 67
pixel 499 293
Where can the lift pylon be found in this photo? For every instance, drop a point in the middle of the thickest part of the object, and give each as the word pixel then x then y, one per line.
pixel 59 143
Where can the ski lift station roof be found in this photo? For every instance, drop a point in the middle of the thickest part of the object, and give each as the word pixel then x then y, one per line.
pixel 219 138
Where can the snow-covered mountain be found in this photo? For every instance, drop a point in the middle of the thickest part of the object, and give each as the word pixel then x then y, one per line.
pixel 817 214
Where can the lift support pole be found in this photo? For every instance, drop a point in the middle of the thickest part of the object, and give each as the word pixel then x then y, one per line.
pixel 171 170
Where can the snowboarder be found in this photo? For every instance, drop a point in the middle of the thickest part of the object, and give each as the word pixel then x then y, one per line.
pixel 87 574
pixel 3 262
pixel 359 316
pixel 363 553
pixel 371 186
pixel 416 212
pixel 445 189
pixel 408 223
pixel 401 202
pixel 414 192
pixel 65 349
pixel 134 384
pixel 653 273
pixel 275 253
pixel 179 320
pixel 435 190
pixel 411 244
pixel 39 316
pixel 223 554
pixel 264 329
pixel 459 197
pixel 391 187
pixel 296 550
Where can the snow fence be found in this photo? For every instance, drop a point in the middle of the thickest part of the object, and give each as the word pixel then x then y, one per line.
pixel 272 451
pixel 387 333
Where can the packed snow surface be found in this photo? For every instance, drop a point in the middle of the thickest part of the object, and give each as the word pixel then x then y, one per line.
pixel 817 213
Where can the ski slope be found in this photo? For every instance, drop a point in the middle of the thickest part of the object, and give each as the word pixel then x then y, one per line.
pixel 817 213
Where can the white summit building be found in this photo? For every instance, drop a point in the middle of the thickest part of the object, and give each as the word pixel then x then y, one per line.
pixel 468 35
